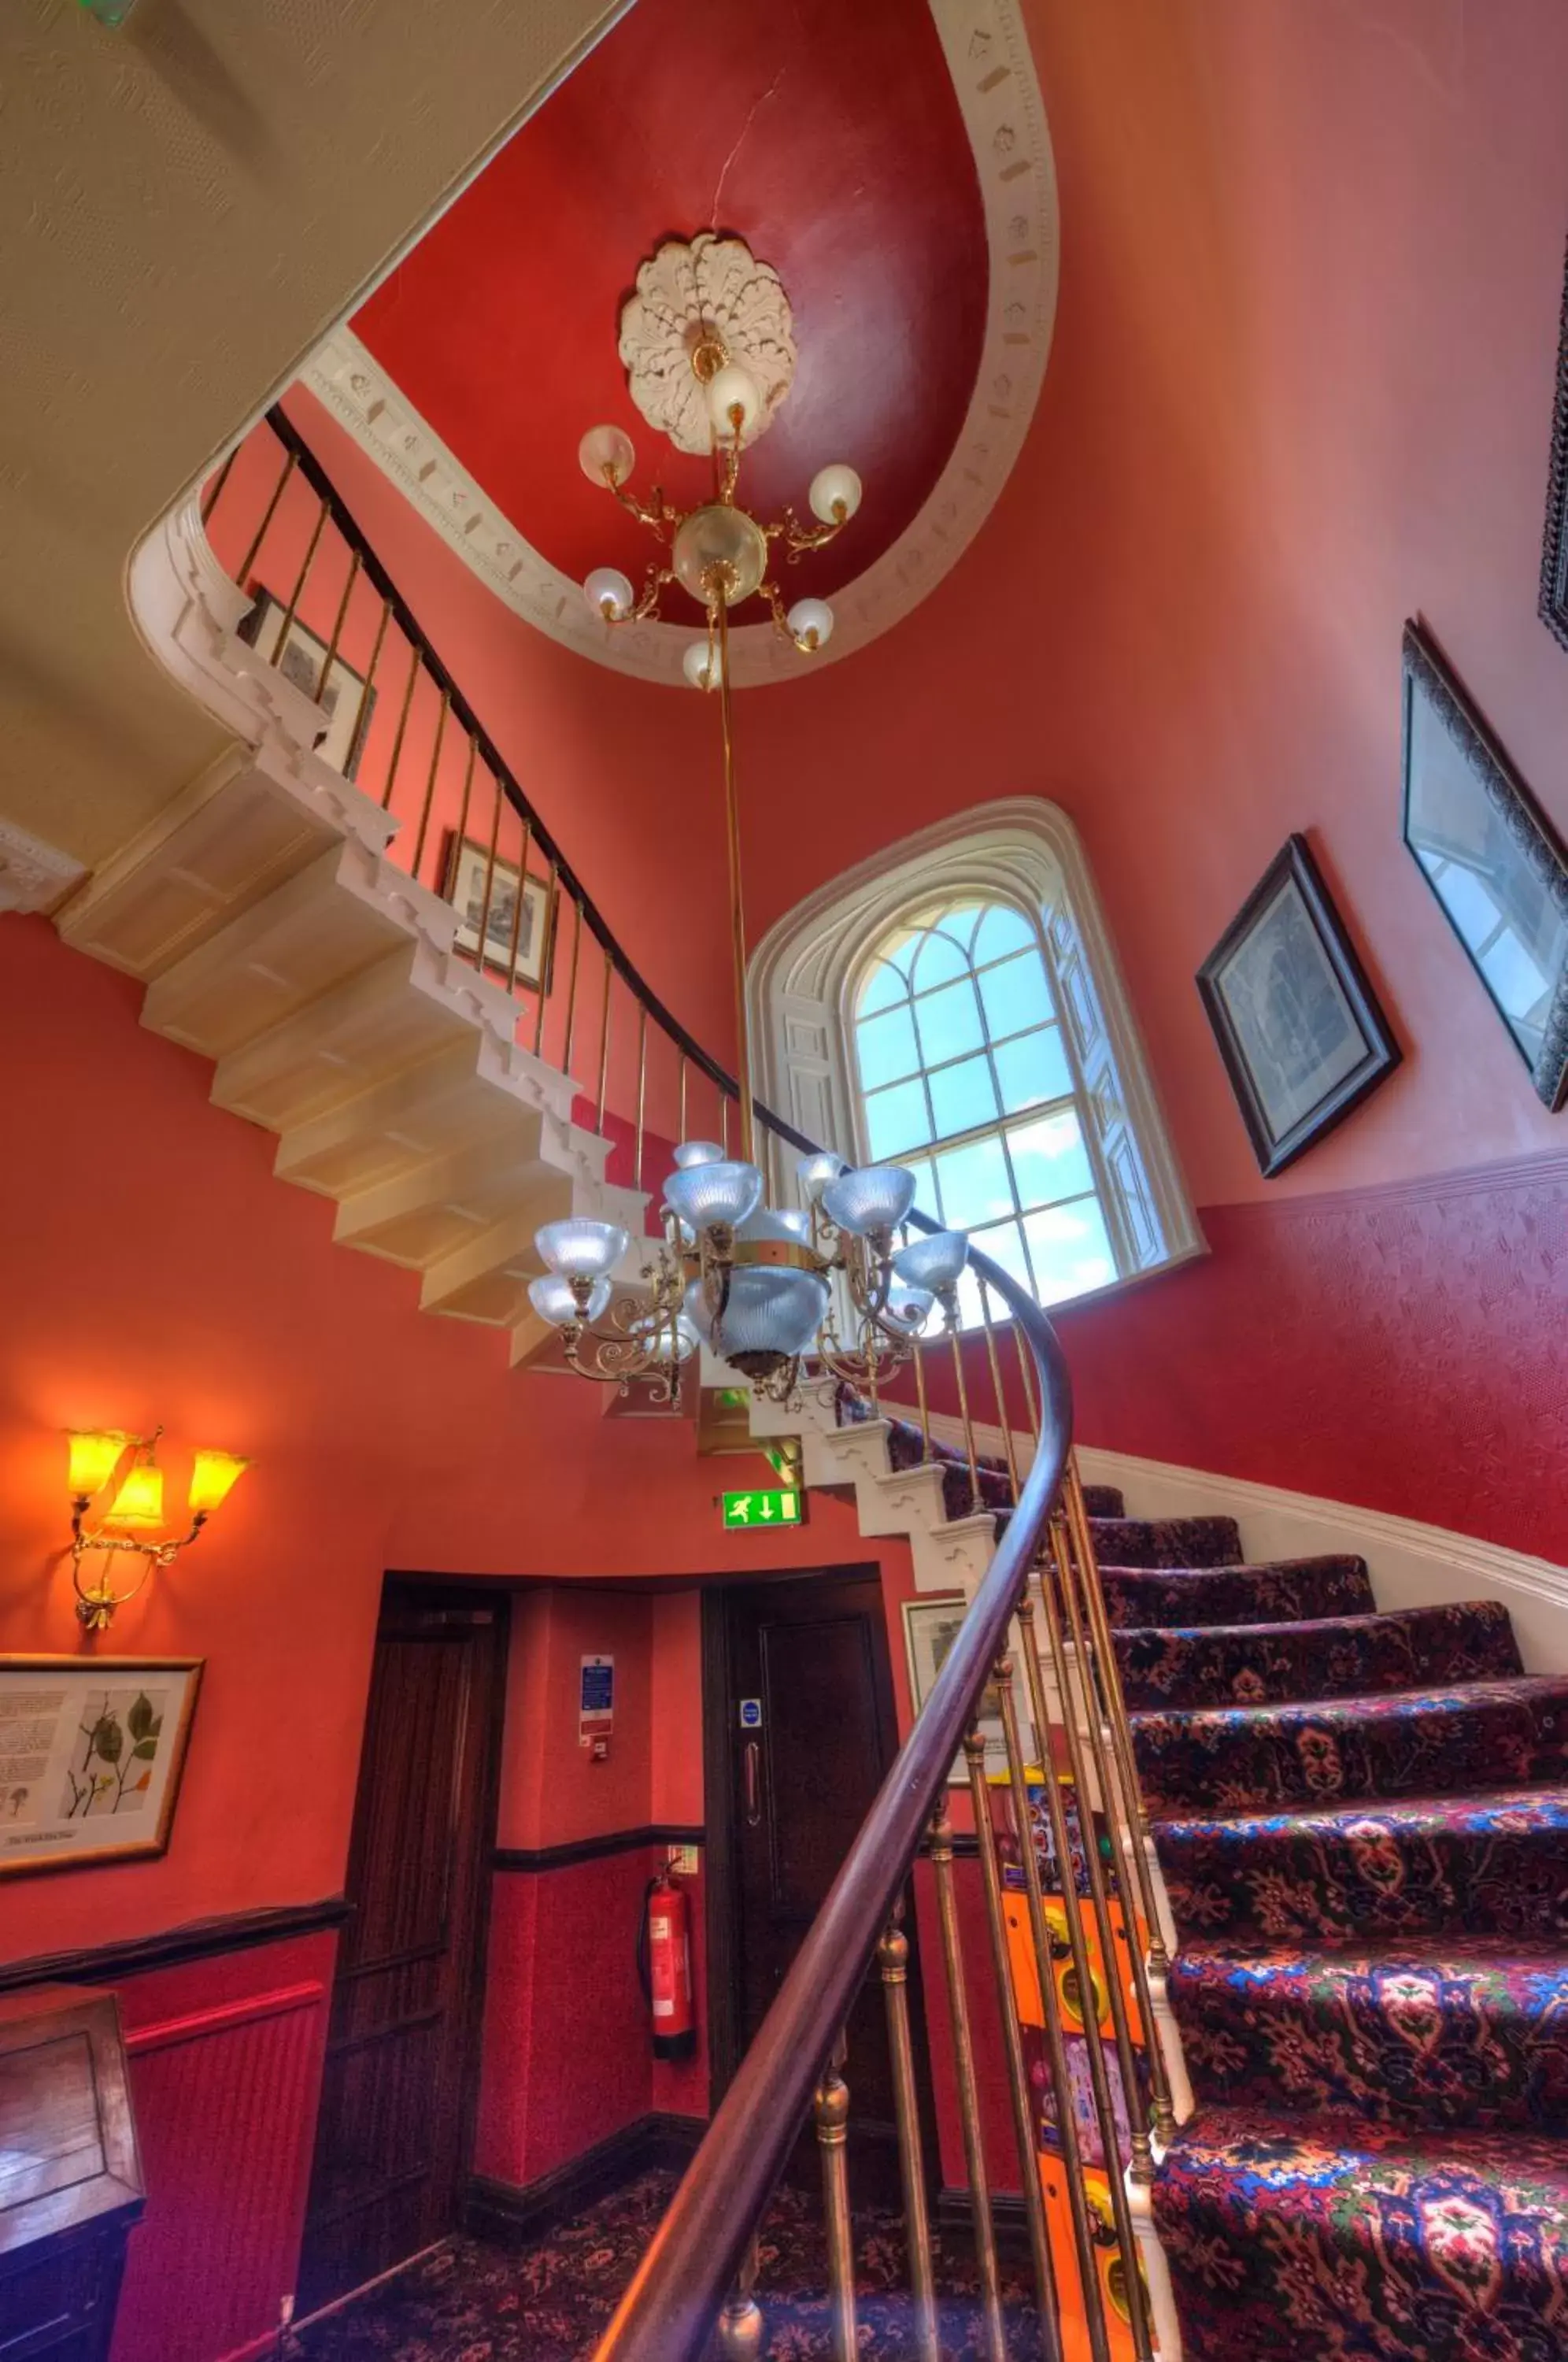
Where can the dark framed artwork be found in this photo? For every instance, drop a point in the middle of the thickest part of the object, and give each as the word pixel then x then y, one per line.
pixel 1298 1023
pixel 91 1753
pixel 464 864
pixel 299 655
pixel 1554 550
pixel 1491 858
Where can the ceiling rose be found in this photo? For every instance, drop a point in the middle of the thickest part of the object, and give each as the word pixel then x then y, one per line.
pixel 697 307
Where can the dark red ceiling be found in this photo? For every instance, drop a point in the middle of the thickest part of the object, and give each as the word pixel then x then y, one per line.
pixel 825 133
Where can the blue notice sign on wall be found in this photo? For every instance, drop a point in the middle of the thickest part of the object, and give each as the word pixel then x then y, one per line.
pixel 596 1699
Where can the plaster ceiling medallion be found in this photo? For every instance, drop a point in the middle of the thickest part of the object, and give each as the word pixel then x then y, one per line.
pixel 700 308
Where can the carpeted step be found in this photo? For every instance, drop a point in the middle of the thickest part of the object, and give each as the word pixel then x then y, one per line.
pixel 1333 1656
pixel 1167 1541
pixel 1462 2031
pixel 907 1448
pixel 1436 1742
pixel 1274 1592
pixel 1294 2243
pixel 1429 1866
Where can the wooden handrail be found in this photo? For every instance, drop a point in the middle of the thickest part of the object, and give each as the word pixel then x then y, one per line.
pixel 668 2311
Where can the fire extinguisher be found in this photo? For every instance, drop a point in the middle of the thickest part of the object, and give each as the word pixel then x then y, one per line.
pixel 664 1967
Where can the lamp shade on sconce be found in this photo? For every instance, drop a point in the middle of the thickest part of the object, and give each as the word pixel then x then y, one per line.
pixel 213 1478
pixel 140 1501
pixel 93 1459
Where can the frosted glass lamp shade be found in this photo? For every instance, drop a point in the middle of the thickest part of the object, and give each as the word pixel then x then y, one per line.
pixel 815 1173
pixel 869 1197
pixel 810 620
pixel 835 489
pixel 580 1249
pixel 93 1459
pixel 933 1263
pixel 698 1152
pixel 610 594
pixel 719 554
pixel 731 389
pixel 773 1310
pixel 702 665
pixel 910 1306
pixel 705 1193
pixel 605 451
pixel 214 1477
pixel 140 1501
pixel 552 1300
pixel 791 1228
pixel 677 1341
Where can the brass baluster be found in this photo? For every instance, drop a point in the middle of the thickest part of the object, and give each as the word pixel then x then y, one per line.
pixel 725 1122
pixel 1030 1403
pixel 547 958
pixel 681 1132
pixel 413 672
pixel 430 788
pixel 286 626
pixel 893 1960
pixel 968 2090
pixel 362 710
pixel 214 492
pixel 519 902
pixel 248 560
pixel 1046 2297
pixel 462 820
pixel 571 986
pixel 489 881
pixel 330 658
pixel 642 1090
pixel 1051 2010
pixel 918 1358
pixel 604 1042
pixel 975 1503
pixel 996 1389
pixel 743 2333
pixel 830 2110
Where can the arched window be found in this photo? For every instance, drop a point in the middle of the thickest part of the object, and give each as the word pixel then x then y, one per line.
pixel 955 1005
pixel 961 1052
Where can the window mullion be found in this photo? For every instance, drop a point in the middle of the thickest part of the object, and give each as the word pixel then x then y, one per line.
pixel 1105 1189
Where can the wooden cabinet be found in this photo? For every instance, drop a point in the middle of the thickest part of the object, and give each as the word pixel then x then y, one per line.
pixel 70 2176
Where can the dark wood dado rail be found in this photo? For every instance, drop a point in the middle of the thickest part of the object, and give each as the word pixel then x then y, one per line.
pixel 669 2310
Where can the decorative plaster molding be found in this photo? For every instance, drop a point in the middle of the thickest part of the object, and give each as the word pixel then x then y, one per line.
pixel 34 876
pixel 683 293
pixel 988 55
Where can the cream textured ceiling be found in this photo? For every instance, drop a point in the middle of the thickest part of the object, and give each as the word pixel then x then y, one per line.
pixel 186 207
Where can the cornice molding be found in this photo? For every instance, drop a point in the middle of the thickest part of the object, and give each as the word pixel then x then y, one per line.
pixel 987 56
pixel 33 875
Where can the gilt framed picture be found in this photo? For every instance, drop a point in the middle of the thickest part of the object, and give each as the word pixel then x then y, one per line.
pixel 91 1753
pixel 1554 548
pixel 1492 860
pixel 1298 1023
pixel 464 867
pixel 299 655
pixel 931 1624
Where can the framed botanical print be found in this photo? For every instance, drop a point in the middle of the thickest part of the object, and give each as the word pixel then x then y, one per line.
pixel 1298 1023
pixel 1492 861
pixel 931 1624
pixel 91 1753
pixel 298 658
pixel 1554 548
pixel 464 868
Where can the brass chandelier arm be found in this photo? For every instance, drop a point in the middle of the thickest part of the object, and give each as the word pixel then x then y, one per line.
pixel 656 511
pixel 798 538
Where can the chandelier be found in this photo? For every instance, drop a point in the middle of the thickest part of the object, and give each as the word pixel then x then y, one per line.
pixel 707 343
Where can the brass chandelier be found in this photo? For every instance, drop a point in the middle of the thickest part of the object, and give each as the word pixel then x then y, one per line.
pixel 755 1284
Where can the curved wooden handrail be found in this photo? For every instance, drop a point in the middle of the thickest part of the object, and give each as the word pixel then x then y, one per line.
pixel 668 2311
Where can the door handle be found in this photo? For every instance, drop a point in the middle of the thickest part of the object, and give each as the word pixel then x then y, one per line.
pixel 751 1774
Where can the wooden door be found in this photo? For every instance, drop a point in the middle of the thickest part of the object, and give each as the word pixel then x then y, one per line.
pixel 394 2134
pixel 812 1653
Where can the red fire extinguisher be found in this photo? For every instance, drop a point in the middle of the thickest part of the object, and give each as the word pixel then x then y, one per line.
pixel 664 1967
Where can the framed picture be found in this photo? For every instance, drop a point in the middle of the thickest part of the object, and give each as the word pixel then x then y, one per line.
pixel 1298 1023
pixel 931 1624
pixel 299 658
pixel 462 883
pixel 1490 856
pixel 1554 550
pixel 91 1753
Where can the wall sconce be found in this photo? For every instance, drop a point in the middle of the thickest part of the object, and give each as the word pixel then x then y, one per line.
pixel 134 1509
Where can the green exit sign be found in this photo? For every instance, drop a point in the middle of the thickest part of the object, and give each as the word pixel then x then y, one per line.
pixel 751 1509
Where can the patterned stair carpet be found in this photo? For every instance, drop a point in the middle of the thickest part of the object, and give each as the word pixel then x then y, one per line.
pixel 549 2302
pixel 1363 1820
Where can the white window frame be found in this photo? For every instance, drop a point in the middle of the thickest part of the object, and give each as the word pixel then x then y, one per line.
pixel 805 974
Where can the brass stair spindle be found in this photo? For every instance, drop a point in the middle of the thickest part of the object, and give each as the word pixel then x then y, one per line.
pixel 1002 1417
pixel 1083 1970
pixel 462 822
pixel 893 1960
pixel 548 952
pixel 1030 1404
pixel 214 492
pixel 968 2090
pixel 367 686
pixel 724 1119
pixel 968 1424
pixel 919 1360
pixel 641 1091
pixel 430 787
pixel 291 610
pixel 681 1132
pixel 414 668
pixel 604 1042
pixel 1046 2292
pixel 830 2111
pixel 330 658
pixel 488 879
pixel 742 2332
pixel 279 489
pixel 520 902
pixel 1051 2010
pixel 571 986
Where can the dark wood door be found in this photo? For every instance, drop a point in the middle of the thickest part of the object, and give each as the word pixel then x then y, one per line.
pixel 394 2133
pixel 812 1652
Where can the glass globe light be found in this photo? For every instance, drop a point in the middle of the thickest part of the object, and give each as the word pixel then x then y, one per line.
pixel 552 1300
pixel 604 450
pixel 731 389
pixel 577 1248
pixel 698 1152
pixel 718 553
pixel 934 1261
pixel 677 1341
pixel 834 489
pixel 791 1228
pixel 815 1173
pixel 706 1194
pixel 869 1197
pixel 704 665
pixel 810 620
pixel 912 1308
pixel 610 594
pixel 772 1312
